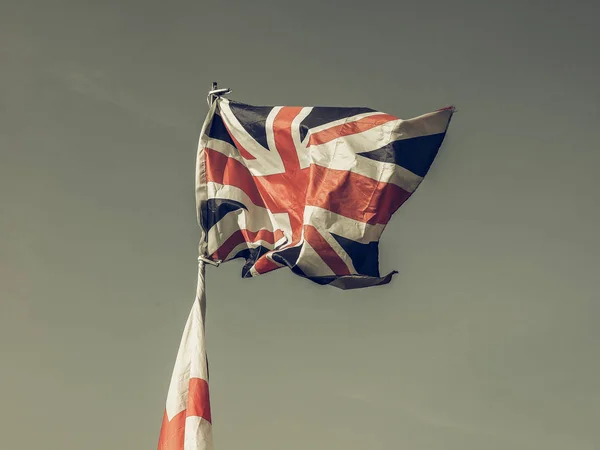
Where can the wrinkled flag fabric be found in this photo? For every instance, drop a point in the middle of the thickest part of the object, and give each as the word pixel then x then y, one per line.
pixel 309 188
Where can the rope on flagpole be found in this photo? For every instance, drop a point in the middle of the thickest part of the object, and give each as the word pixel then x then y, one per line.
pixel 204 259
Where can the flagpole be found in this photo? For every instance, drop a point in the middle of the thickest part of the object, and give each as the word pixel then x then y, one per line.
pixel 213 88
pixel 211 98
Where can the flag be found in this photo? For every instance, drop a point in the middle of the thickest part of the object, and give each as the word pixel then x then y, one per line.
pixel 187 422
pixel 309 188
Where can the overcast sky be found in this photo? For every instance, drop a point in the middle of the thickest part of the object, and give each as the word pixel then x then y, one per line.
pixel 489 336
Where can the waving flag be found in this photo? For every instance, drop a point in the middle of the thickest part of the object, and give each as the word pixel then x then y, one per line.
pixel 310 188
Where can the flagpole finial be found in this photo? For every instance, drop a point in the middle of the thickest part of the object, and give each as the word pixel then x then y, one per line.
pixel 215 93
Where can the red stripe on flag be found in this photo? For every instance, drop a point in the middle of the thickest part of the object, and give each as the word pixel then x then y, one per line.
pixel 199 399
pixel 224 170
pixel 325 251
pixel 286 192
pixel 172 433
pixel 282 132
pixel 264 264
pixel 240 236
pixel 356 196
pixel 346 129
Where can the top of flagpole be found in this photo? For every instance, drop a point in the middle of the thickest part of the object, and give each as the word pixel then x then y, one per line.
pixel 215 92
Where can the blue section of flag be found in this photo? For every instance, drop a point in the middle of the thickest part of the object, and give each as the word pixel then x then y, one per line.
pixel 415 154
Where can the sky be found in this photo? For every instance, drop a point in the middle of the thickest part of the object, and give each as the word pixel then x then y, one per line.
pixel 486 339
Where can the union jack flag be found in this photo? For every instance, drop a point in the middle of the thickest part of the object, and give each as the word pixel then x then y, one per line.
pixel 310 188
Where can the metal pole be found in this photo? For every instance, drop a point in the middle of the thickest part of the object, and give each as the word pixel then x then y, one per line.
pixel 214 88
